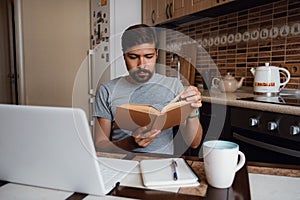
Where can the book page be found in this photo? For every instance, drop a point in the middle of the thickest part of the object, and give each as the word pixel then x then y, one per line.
pixel 141 107
pixel 129 119
pixel 174 105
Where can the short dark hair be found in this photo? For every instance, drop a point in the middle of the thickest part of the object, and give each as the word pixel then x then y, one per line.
pixel 138 34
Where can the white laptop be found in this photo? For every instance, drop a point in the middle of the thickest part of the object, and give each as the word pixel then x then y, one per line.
pixel 52 147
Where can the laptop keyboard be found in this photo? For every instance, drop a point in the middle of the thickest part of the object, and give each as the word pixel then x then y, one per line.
pixel 114 170
pixel 110 176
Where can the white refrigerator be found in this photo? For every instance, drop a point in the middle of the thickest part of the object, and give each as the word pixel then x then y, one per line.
pixel 64 48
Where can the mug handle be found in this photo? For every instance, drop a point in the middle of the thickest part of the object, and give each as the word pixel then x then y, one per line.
pixel 241 162
pixel 215 81
pixel 287 77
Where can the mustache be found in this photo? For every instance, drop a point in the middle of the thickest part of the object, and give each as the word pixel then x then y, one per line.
pixel 143 70
pixel 139 70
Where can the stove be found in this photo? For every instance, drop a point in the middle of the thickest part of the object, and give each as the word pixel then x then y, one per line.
pixel 268 136
pixel 286 97
pixel 284 100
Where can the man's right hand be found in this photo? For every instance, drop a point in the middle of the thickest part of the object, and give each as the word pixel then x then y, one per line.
pixel 142 138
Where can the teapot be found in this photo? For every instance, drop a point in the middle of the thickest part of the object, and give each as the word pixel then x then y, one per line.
pixel 228 83
pixel 267 79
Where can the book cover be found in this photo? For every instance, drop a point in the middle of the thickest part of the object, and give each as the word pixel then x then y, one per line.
pixel 160 173
pixel 132 116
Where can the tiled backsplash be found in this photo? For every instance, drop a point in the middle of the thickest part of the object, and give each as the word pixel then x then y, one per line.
pixel 249 38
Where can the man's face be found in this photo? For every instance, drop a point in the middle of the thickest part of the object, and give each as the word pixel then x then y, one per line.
pixel 140 61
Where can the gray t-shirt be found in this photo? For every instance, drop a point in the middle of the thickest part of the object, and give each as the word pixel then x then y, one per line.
pixel 158 91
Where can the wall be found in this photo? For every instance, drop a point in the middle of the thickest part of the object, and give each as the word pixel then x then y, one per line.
pixel 249 38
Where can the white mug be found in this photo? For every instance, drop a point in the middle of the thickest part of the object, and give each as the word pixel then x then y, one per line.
pixel 221 162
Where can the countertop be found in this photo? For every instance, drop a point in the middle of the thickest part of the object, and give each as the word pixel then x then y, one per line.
pixel 233 99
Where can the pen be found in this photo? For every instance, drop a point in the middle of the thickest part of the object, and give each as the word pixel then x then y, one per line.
pixel 174 166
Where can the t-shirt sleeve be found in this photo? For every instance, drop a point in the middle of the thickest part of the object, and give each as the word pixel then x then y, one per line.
pixel 103 103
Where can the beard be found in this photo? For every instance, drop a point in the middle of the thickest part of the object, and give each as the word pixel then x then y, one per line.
pixel 141 75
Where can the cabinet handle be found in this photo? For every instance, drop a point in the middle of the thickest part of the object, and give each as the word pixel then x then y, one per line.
pixel 170 10
pixel 167 11
pixel 152 17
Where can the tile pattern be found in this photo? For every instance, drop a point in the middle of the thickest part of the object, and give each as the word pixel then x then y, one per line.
pixel 241 40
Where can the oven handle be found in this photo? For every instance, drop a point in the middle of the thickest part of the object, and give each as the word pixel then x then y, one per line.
pixel 267 146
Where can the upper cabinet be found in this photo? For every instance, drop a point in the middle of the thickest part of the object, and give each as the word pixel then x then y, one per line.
pixel 200 5
pixel 149 11
pixel 161 11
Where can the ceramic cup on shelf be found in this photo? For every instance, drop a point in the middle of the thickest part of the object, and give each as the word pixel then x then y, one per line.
pixel 221 162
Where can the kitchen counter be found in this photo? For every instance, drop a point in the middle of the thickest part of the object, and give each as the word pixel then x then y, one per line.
pixel 271 181
pixel 233 99
pixel 274 169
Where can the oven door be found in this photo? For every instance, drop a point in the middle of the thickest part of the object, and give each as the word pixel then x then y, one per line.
pixel 259 143
pixel 260 149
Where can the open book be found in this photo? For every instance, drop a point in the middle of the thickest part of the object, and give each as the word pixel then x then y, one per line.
pixel 132 116
pixel 160 173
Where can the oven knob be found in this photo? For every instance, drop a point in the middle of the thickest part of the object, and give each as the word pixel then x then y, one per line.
pixel 253 122
pixel 294 130
pixel 272 126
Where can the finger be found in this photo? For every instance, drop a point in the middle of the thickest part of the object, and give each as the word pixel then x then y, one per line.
pixel 139 132
pixel 190 91
pixel 197 104
pixel 149 134
pixel 194 97
pixel 143 142
pixel 146 141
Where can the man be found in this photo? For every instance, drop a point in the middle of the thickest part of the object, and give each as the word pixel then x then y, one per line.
pixel 143 86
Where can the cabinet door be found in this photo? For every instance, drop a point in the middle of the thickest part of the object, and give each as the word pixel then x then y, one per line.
pixel 200 5
pixel 177 8
pixel 166 10
pixel 219 2
pixel 162 11
pixel 150 12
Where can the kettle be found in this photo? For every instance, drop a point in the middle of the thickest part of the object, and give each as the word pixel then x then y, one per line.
pixel 228 83
pixel 267 79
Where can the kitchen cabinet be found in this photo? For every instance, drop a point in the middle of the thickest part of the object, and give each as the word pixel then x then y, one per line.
pixel 149 11
pixel 161 11
pixel 200 5
pixel 170 10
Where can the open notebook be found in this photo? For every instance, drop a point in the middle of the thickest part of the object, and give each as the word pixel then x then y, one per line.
pixel 160 173
pixel 52 147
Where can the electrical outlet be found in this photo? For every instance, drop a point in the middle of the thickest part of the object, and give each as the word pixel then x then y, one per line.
pixel 294 69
